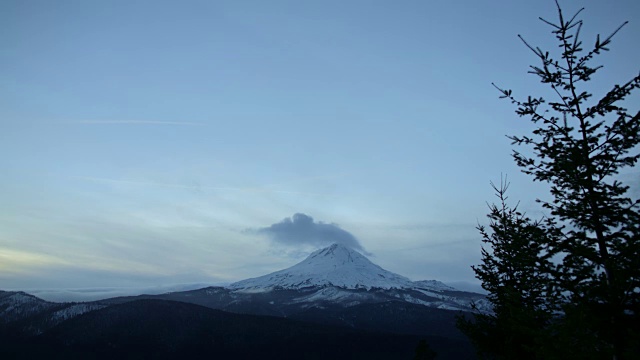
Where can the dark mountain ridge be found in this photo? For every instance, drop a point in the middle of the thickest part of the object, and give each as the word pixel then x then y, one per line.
pixel 163 329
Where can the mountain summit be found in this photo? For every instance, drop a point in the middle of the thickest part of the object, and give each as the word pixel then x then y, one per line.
pixel 335 265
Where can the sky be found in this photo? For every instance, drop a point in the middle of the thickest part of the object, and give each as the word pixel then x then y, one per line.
pixel 146 144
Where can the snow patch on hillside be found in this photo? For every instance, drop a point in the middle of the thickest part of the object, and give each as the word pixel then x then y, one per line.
pixel 432 285
pixel 73 311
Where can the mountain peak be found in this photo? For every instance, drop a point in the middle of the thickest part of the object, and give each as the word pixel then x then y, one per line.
pixel 333 247
pixel 336 253
pixel 335 265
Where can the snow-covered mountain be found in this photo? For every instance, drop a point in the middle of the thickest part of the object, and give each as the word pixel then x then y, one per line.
pixel 338 275
pixel 336 266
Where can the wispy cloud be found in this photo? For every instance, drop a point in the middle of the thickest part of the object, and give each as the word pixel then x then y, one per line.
pixel 135 122
pixel 198 187
pixel 12 260
pixel 308 179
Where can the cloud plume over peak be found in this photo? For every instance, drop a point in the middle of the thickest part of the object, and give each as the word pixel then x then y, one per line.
pixel 302 229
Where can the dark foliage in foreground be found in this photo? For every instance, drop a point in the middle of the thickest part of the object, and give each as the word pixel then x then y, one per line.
pixel 593 233
pixel 516 274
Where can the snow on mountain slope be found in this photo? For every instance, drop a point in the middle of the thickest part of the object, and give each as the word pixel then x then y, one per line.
pixel 335 265
pixel 74 310
pixel 18 305
pixel 432 285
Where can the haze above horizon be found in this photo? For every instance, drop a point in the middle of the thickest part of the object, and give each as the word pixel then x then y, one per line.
pixel 150 142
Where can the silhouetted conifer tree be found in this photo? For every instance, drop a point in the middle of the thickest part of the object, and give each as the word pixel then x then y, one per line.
pixel 578 148
pixel 515 271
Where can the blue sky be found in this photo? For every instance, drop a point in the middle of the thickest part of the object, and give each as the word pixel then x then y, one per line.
pixel 141 141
